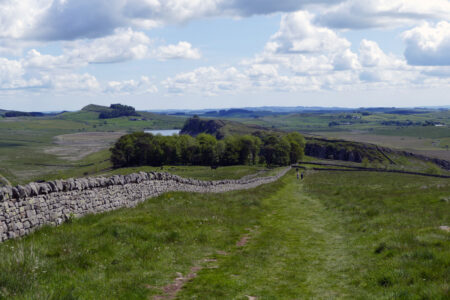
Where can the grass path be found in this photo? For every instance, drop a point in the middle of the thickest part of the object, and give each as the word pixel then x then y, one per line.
pixel 299 249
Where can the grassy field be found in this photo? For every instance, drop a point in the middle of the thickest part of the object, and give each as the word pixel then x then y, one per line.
pixel 333 235
pixel 426 140
pixel 43 147
pixel 67 144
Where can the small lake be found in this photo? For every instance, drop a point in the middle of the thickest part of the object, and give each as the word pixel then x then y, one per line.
pixel 163 132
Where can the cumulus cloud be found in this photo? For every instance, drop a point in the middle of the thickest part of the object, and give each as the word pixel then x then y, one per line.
pixel 17 18
pixel 252 7
pixel 207 81
pixel 124 44
pixel 356 14
pixel 303 56
pixel 75 19
pixel 131 87
pixel 182 50
pixel 428 45
pixel 37 72
pixel 298 34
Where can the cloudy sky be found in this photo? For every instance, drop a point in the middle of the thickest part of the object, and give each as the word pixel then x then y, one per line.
pixel 157 54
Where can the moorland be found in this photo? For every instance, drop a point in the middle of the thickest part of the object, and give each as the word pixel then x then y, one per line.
pixel 334 234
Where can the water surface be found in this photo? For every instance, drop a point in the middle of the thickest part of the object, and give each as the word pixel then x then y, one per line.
pixel 167 132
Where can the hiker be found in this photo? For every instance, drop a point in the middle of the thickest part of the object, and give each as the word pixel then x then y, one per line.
pixel 302 175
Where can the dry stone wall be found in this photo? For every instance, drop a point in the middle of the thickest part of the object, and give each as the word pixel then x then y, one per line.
pixel 23 209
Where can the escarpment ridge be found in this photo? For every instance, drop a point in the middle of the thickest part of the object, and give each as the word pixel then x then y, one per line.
pixel 26 208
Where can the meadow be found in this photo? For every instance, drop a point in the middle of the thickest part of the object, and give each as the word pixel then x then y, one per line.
pixel 333 235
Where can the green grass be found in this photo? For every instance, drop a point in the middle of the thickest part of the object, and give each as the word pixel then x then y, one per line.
pixel 366 236
pixel 334 235
pixel 125 254
pixel 23 142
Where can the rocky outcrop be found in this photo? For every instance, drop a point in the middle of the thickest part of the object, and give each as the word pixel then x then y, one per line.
pixel 195 126
pixel 23 209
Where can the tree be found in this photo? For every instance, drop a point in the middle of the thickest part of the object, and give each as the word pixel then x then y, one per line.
pixel 207 146
pixel 185 147
pixel 297 147
pixel 231 154
pixel 276 150
pixel 248 149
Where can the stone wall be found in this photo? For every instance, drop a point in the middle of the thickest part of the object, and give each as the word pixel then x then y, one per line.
pixel 25 208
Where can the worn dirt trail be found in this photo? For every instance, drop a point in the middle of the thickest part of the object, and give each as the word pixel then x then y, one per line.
pixel 299 249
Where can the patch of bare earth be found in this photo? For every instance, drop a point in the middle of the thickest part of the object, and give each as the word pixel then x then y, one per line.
pixel 171 290
pixel 245 238
pixel 75 146
pixel 243 241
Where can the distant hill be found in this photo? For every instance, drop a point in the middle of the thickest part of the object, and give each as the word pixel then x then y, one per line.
pixel 113 111
pixel 127 118
pixel 96 108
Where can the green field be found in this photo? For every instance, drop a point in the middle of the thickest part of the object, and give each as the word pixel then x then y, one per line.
pixel 27 143
pixel 333 235
pixel 31 147
pixel 431 141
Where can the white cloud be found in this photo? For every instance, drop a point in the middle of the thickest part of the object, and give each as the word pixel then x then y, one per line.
pixel 345 60
pixel 297 34
pixel 124 44
pixel 357 14
pixel 428 45
pixel 11 72
pixel 75 19
pixel 131 87
pixel 182 50
pixel 303 56
pixel 72 82
pixel 19 17
pixel 207 81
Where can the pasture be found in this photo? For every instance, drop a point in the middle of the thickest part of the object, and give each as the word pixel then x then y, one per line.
pixel 333 235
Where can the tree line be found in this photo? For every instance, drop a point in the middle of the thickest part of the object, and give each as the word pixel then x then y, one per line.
pixel 140 148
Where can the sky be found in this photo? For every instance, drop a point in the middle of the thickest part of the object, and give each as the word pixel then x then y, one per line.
pixel 191 54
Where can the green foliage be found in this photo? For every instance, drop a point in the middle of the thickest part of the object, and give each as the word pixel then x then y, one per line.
pixel 297 145
pixel 275 150
pixel 139 149
pixel 118 110
pixel 12 114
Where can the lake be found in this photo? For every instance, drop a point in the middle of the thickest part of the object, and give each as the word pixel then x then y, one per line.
pixel 163 132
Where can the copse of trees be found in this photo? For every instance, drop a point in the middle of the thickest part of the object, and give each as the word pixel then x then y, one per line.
pixel 12 114
pixel 118 110
pixel 140 148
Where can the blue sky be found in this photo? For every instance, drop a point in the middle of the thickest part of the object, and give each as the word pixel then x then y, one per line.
pixel 155 54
